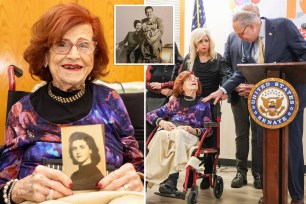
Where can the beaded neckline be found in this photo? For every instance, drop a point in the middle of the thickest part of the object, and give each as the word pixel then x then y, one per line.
pixel 68 99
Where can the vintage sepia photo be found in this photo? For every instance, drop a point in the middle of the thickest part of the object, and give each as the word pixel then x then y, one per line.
pixel 143 34
pixel 84 155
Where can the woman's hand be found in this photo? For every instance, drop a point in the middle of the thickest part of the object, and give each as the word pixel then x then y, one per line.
pixel 43 184
pixel 155 85
pixel 124 178
pixel 189 129
pixel 166 92
pixel 166 125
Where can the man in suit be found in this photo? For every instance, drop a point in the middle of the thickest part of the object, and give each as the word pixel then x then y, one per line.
pixel 154 29
pixel 239 106
pixel 282 43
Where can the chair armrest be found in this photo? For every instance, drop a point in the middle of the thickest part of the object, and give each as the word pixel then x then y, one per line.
pixel 211 124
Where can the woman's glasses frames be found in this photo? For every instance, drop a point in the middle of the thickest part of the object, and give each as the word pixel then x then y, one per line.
pixel 84 47
pixel 191 78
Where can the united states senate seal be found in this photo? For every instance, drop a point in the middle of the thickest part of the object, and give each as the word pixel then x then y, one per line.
pixel 273 103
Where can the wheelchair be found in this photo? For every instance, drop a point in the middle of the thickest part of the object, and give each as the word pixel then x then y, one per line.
pixel 200 152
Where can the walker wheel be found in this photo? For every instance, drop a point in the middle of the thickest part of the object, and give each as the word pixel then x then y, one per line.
pixel 218 187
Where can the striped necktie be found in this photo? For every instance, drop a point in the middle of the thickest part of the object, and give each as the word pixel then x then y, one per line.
pixel 261 58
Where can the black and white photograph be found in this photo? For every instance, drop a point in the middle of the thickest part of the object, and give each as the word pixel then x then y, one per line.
pixel 83 158
pixel 143 34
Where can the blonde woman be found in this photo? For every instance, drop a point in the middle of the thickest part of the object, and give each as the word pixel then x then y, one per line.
pixel 205 62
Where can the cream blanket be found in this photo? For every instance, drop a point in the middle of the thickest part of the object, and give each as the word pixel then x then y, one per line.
pixel 99 197
pixel 168 153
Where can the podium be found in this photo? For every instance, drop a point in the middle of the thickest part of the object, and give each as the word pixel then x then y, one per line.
pixel 275 141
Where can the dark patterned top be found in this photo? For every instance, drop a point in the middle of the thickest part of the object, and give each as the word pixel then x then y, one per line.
pixel 194 116
pixel 30 138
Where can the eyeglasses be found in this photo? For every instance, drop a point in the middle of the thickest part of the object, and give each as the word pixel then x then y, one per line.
pixel 191 78
pixel 84 47
pixel 240 35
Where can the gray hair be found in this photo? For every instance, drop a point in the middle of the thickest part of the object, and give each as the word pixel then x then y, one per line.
pixel 246 17
pixel 250 7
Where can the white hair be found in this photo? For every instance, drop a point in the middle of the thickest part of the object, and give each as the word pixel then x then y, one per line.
pixel 246 17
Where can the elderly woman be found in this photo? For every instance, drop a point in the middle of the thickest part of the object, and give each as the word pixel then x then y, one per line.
pixel 212 71
pixel 169 148
pixel 69 51
pixel 84 152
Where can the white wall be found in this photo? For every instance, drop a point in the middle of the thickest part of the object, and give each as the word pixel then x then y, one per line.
pixel 218 21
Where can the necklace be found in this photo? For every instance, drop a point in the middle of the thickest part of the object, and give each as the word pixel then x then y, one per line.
pixel 68 99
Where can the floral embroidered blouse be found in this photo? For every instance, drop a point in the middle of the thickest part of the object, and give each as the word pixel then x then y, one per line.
pixel 194 116
pixel 30 138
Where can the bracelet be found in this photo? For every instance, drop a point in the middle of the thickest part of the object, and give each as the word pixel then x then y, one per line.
pixel 158 121
pixel 7 190
pixel 197 132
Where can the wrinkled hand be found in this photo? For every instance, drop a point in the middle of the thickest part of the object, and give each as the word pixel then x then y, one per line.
pixel 166 92
pixel 124 178
pixel 166 125
pixel 171 97
pixel 244 89
pixel 38 185
pixel 155 85
pixel 217 95
pixel 188 128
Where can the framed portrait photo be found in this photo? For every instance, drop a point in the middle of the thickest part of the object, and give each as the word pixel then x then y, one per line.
pixel 144 35
pixel 83 150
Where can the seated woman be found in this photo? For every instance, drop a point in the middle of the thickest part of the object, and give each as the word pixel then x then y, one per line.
pixel 69 51
pixel 169 148
pixel 133 40
pixel 159 84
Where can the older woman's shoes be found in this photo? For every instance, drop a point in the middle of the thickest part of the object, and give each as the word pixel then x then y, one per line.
pixel 239 180
pixel 167 187
pixel 205 183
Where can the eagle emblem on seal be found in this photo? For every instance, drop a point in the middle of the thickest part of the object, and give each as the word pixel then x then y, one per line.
pixel 271 106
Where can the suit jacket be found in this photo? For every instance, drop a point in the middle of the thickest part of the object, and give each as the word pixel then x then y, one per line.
pixel 233 55
pixel 283 43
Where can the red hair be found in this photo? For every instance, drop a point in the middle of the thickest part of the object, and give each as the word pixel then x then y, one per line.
pixel 52 26
pixel 179 82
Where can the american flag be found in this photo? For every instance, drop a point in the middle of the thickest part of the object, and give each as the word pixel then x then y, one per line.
pixel 199 18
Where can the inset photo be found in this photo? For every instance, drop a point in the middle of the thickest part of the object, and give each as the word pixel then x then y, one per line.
pixel 83 150
pixel 143 35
